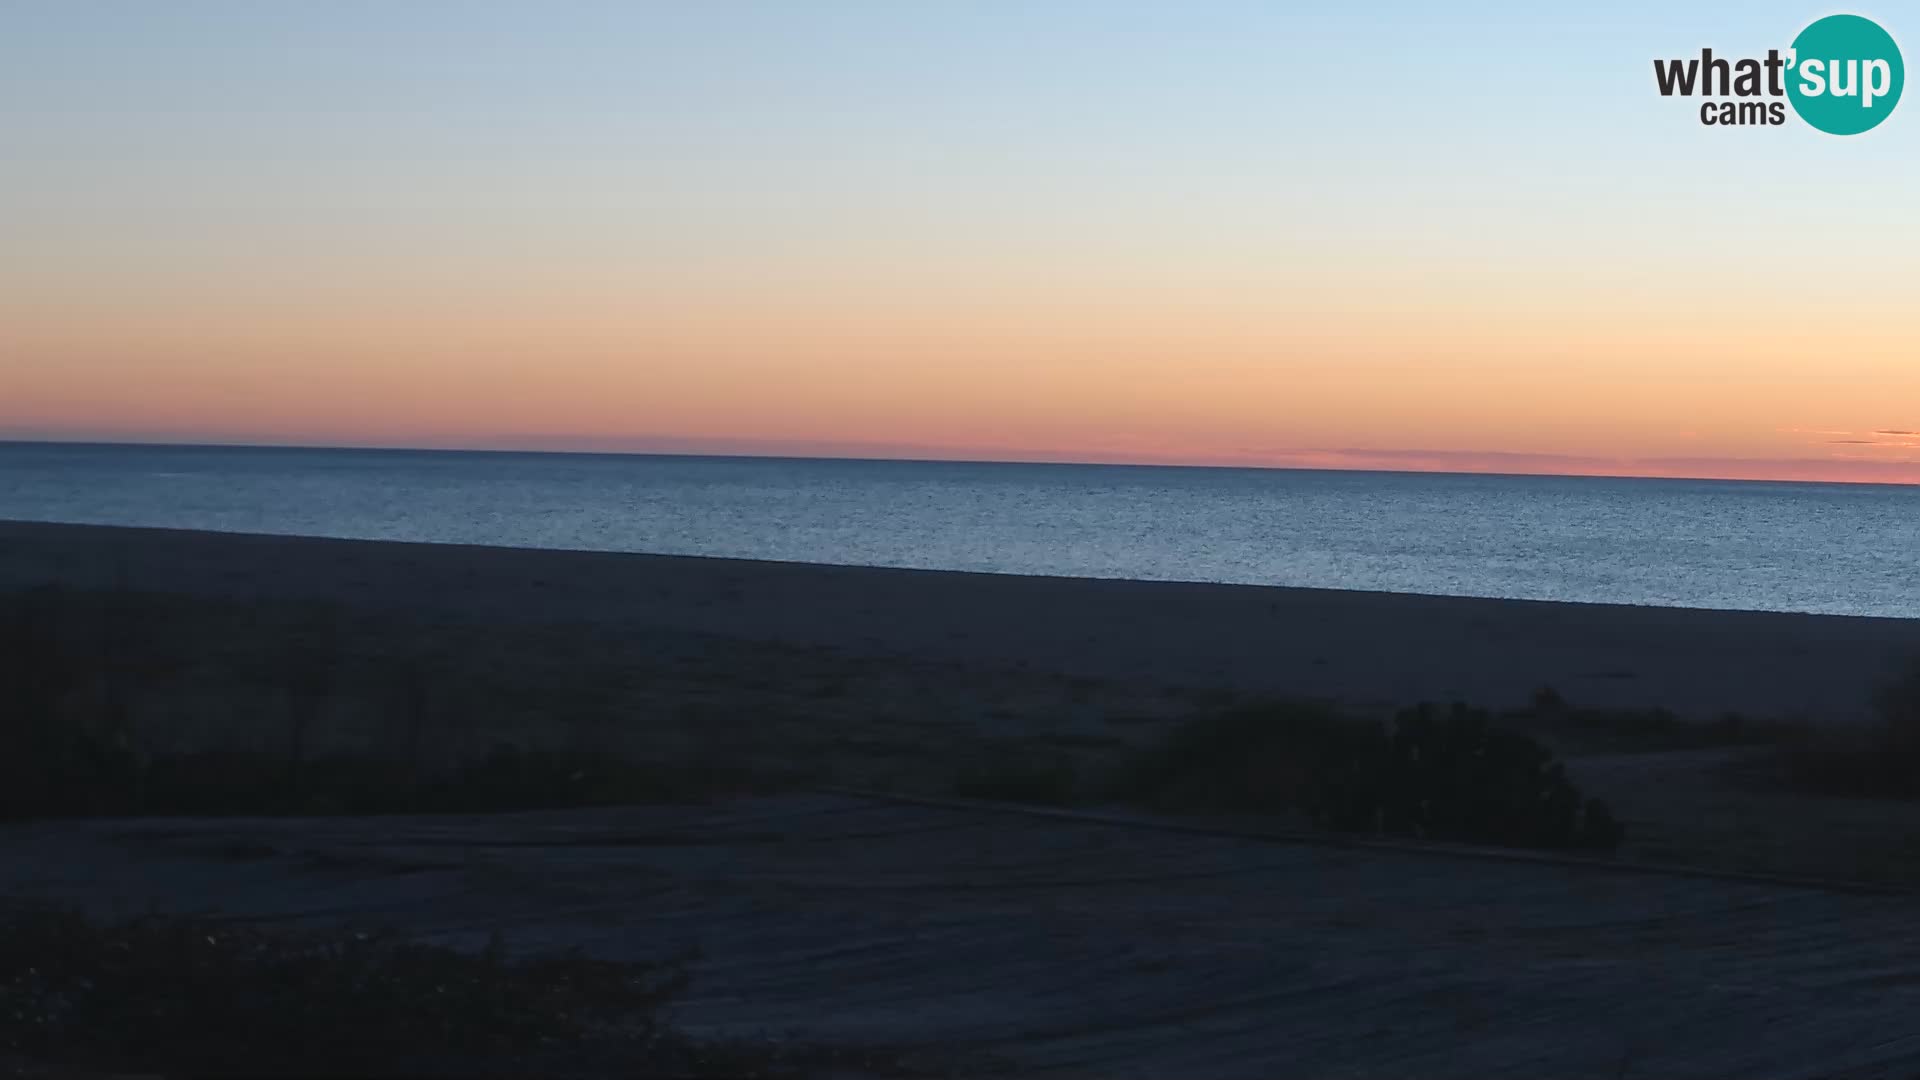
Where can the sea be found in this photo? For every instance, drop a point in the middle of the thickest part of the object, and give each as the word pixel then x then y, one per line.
pixel 1849 549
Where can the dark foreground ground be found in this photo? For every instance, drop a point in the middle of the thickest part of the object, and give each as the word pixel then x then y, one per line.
pixel 900 680
pixel 967 937
pixel 971 938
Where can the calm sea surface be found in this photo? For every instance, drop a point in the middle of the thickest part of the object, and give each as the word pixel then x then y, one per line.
pixel 1849 549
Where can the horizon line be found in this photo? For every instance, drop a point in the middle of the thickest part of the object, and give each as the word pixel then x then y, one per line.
pixel 7 440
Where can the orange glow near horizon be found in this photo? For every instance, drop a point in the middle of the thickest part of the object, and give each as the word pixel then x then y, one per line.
pixel 1431 382
pixel 1139 240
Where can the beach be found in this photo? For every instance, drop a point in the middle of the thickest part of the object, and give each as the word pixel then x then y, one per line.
pixel 1367 651
pixel 865 901
pixel 903 680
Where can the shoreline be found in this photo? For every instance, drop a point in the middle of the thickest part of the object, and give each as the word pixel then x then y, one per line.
pixel 9 524
pixel 1366 650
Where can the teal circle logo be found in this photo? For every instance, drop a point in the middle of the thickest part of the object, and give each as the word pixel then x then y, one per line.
pixel 1845 75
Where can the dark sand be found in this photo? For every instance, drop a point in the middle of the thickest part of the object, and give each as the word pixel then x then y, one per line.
pixel 1064 947
pixel 907 680
pixel 1051 943
pixel 1367 650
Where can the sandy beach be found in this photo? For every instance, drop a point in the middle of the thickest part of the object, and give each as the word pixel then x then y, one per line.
pixel 900 680
pixel 863 904
pixel 1367 651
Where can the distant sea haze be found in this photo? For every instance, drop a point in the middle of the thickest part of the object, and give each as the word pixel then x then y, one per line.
pixel 1839 549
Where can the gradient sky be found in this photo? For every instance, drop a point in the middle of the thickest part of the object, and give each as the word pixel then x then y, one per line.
pixel 1391 235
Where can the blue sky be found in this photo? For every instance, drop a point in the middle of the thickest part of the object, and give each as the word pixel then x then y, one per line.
pixel 1418 171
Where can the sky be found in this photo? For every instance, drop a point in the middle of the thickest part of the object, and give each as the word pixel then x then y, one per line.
pixel 1464 237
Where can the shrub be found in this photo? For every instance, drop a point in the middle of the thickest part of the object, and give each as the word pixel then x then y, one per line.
pixel 191 995
pixel 1656 729
pixel 1440 776
pixel 1455 776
